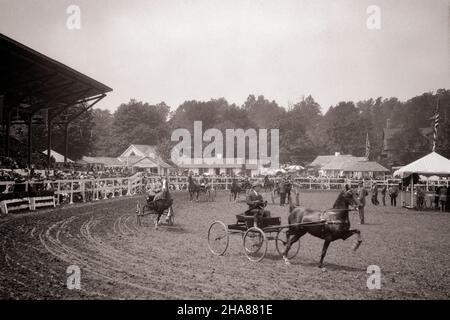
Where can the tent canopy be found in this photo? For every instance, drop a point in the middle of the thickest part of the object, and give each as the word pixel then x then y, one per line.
pixel 432 164
pixel 58 157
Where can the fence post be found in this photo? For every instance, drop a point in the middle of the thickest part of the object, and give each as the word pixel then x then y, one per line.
pixel 83 189
pixel 58 192
pixel 71 192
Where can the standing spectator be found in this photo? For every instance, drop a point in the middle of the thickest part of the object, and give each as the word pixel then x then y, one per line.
pixel 375 194
pixel 420 198
pixel 288 188
pixel 383 195
pixel 436 196
pixel 362 194
pixel 282 191
pixel 393 193
pixel 442 198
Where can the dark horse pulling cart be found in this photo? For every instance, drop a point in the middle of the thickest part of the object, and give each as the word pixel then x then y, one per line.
pixel 329 225
pixel 155 209
pixel 255 238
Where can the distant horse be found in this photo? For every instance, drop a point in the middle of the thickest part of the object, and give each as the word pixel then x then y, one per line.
pixel 269 185
pixel 237 188
pixel 336 223
pixel 195 188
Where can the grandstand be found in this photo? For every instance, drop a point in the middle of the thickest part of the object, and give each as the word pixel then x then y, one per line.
pixel 36 90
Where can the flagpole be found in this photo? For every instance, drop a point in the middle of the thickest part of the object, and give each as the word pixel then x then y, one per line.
pixel 436 124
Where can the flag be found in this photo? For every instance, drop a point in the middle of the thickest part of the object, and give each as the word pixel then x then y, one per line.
pixel 367 146
pixel 436 125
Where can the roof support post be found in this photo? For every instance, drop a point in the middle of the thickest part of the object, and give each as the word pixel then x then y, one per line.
pixel 66 141
pixel 29 145
pixel 7 131
pixel 49 141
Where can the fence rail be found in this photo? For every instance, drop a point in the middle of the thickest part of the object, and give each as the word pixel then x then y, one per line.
pixel 83 190
pixel 224 183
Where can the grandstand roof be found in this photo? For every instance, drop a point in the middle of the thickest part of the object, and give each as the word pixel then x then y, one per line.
pixel 35 81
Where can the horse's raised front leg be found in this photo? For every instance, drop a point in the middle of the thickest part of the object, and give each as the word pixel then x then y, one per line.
pixel 358 240
pixel 324 252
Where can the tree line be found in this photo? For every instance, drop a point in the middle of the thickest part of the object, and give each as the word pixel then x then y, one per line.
pixel 305 131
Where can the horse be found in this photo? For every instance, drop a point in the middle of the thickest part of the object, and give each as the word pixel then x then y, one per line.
pixel 336 224
pixel 269 185
pixel 195 188
pixel 159 206
pixel 235 190
pixel 159 203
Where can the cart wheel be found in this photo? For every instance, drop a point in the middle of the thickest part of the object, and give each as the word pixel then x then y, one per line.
pixel 280 243
pixel 171 216
pixel 218 238
pixel 255 244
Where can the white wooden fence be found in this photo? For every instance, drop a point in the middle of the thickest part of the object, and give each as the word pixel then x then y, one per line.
pixel 97 189
pixel 224 183
pixel 83 189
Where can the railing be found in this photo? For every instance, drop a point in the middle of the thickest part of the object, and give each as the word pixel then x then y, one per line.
pixel 82 190
pixel 224 183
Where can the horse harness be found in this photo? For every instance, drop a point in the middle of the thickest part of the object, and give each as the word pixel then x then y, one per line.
pixel 331 216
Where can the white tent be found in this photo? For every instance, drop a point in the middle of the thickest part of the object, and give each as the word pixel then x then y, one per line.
pixel 294 168
pixel 432 164
pixel 58 157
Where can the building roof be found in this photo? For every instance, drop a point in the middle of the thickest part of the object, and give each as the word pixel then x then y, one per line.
pixel 140 152
pixel 334 162
pixel 107 161
pixel 145 149
pixel 347 163
pixel 364 166
pixel 148 162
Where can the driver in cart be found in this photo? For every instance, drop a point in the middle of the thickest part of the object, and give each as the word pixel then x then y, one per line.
pixel 256 203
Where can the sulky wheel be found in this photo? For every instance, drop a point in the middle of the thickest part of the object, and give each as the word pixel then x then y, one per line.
pixel 255 244
pixel 218 238
pixel 280 243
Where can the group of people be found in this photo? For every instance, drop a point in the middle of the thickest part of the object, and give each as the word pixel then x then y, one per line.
pixel 392 191
pixel 362 192
pixel 441 194
pixel 284 188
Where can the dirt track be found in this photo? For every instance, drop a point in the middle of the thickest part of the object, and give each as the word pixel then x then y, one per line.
pixel 118 259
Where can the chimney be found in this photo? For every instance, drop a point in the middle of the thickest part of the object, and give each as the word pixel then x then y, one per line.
pixel 388 123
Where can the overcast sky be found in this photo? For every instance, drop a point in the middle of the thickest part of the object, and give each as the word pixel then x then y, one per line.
pixel 174 51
